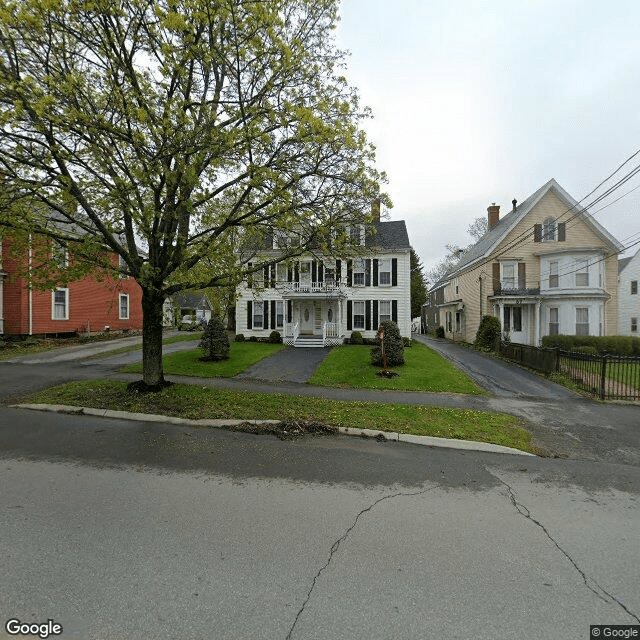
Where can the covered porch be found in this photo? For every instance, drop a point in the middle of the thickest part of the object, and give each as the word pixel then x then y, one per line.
pixel 315 321
pixel 519 317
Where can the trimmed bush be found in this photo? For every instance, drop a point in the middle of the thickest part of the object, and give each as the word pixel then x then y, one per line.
pixel 488 334
pixel 239 337
pixel 253 339
pixel 356 338
pixel 215 341
pixel 440 332
pixel 614 345
pixel 393 346
pixel 275 337
pixel 407 342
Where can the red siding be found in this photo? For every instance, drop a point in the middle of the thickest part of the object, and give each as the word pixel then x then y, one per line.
pixel 93 305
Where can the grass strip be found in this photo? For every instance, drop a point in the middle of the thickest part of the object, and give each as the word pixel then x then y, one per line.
pixel 194 402
pixel 187 363
pixel 424 370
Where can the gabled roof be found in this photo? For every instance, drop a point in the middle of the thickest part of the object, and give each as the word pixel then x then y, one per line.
pixel 623 262
pixel 191 300
pixel 489 242
pixel 389 235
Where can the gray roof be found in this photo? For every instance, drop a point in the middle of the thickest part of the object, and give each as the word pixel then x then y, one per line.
pixel 491 239
pixel 390 235
pixel 623 262
pixel 191 300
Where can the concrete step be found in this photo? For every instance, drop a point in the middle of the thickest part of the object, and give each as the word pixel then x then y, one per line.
pixel 311 341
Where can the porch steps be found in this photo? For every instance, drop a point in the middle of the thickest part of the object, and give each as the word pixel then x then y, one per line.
pixel 308 341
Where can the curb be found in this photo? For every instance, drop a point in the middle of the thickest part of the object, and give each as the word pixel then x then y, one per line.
pixel 428 441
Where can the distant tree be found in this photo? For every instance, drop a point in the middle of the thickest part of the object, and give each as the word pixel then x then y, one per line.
pixel 418 285
pixel 478 228
pixel 178 132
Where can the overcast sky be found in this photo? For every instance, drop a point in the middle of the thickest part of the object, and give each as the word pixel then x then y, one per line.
pixel 484 101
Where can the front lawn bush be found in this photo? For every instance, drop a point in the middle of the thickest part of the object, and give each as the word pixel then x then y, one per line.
pixel 614 345
pixel 440 332
pixel 393 346
pixel 356 338
pixel 488 334
pixel 215 341
pixel 275 337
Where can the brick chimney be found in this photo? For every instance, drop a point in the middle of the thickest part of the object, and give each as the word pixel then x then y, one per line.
pixel 493 214
pixel 375 210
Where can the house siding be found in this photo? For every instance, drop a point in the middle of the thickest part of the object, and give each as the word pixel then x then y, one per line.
pixel 92 305
pixel 517 247
pixel 629 304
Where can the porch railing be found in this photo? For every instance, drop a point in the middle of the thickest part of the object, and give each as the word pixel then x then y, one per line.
pixel 329 332
pixel 312 287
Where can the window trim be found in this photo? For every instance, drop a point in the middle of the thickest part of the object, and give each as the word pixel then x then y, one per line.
pixel 554 325
pixel 633 287
pixel 634 325
pixel 120 297
pixel 280 316
pixel 554 276
pixel 384 262
pixel 359 315
pixel 549 229
pixel 66 303
pixel 582 269
pixel 360 269
pixel 582 324
pixel 382 317
pixel 503 277
pixel 257 311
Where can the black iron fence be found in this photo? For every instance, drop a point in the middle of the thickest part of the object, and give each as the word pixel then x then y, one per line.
pixel 609 377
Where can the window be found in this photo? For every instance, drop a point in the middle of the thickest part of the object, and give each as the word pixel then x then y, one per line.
pixel 257 314
pixel 549 230
pixel 512 319
pixel 279 239
pixel 329 276
pixel 553 274
pixel 582 274
pixel 385 311
pixel 508 276
pixel 358 273
pixel 279 314
pixel 358 315
pixel 282 272
pixel 634 325
pixel 582 321
pixel 384 272
pixel 554 323
pixel 634 287
pixel 59 254
pixel 123 313
pixel 60 304
pixel 355 233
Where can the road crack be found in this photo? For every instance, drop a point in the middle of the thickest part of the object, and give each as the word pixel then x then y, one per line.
pixel 589 582
pixel 336 545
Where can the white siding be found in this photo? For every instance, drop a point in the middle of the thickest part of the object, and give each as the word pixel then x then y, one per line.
pixel 628 303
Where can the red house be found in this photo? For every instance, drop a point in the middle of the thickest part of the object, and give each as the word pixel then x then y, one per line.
pixel 85 305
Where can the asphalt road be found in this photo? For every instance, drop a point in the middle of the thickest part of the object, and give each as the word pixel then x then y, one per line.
pixel 120 530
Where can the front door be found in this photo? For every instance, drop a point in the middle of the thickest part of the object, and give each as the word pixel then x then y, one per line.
pixel 307 318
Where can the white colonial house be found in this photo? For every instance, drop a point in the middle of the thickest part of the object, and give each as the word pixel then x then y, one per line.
pixel 547 267
pixel 628 297
pixel 319 300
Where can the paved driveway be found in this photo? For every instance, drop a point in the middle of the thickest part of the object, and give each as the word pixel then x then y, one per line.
pixel 289 365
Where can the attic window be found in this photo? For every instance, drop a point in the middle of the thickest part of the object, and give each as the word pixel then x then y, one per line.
pixel 549 230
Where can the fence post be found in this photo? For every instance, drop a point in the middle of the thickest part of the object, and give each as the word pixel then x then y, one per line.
pixel 557 359
pixel 603 375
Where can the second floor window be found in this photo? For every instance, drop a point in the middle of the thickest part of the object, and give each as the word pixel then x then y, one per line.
pixel 553 274
pixel 634 287
pixel 508 276
pixel 384 272
pixel 582 273
pixel 358 273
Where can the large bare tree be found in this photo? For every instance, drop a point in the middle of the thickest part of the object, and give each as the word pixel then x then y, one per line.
pixel 178 134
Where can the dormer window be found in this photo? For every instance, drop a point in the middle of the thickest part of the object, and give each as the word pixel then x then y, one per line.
pixel 549 230
pixel 356 233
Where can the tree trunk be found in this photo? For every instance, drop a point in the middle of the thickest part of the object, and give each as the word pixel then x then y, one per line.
pixel 152 374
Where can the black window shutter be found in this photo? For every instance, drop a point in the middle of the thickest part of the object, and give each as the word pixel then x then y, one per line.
pixel 289 274
pixel 349 272
pixel 314 271
pixel 273 276
pixel 266 276
pixel 320 272
pixel 394 272
pixel 296 273
pixel 367 321
pixel 249 275
pixel 562 232
pixel 349 318
pixel 537 233
pixel 273 314
pixel 375 273
pixel 249 314
pixel 394 311
pixel 265 321
pixel 338 271
pixel 375 315
pixel 289 310
pixel 367 277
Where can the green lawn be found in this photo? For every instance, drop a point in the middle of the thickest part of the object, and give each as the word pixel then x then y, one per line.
pixel 423 370
pixel 241 356
pixel 194 402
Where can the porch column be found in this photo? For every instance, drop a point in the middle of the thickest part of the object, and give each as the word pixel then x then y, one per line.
pixel 500 315
pixel 536 334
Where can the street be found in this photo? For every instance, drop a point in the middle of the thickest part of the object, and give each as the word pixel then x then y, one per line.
pixel 119 529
